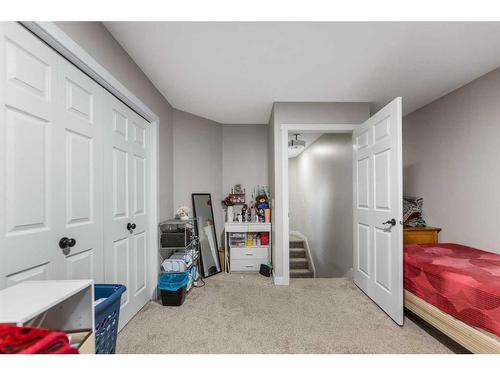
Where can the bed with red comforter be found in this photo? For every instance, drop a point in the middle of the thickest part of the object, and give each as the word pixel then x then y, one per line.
pixel 461 281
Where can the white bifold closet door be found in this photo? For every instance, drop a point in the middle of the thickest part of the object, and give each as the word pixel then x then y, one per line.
pixel 73 163
pixel 125 188
pixel 50 152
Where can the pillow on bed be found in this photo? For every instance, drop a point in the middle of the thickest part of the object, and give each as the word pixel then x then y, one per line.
pixel 412 211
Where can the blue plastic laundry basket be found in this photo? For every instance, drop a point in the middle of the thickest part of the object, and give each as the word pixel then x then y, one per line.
pixel 107 313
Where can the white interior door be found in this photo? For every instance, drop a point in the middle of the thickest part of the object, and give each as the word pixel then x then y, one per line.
pixel 28 130
pixel 125 205
pixel 50 155
pixel 378 195
pixel 79 181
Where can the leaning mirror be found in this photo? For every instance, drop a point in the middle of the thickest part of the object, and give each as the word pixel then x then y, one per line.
pixel 205 230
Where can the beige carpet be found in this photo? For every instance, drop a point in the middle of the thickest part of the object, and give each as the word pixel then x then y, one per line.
pixel 247 314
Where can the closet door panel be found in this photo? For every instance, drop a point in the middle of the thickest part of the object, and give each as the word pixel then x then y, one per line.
pixel 140 243
pixel 125 202
pixel 120 267
pixel 80 266
pixel 139 186
pixel 140 178
pixel 80 114
pixel 79 101
pixel 28 248
pixel 79 179
pixel 118 241
pixel 120 168
pixel 29 67
pixel 140 171
pixel 120 184
pixel 35 273
pixel 27 173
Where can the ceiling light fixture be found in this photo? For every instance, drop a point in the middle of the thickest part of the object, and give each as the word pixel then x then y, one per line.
pixel 296 144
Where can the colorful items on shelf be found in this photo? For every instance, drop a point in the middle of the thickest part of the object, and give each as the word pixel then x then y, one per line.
pixel 257 211
pixel 264 239
pixel 249 239
pixel 237 240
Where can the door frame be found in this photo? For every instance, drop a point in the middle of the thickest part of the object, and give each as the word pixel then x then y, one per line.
pixel 285 129
pixel 57 39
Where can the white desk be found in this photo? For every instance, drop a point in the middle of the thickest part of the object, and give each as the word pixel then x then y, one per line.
pixel 246 258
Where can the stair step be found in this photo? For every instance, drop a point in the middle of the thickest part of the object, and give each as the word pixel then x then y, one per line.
pixel 300 274
pixel 296 244
pixel 297 253
pixel 299 263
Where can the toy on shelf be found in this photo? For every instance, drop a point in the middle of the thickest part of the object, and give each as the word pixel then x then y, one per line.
pixel 182 213
pixel 262 204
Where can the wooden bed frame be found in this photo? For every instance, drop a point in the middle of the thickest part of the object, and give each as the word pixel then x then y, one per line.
pixel 474 339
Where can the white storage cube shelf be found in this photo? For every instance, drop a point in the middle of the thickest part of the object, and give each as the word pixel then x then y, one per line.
pixel 242 258
pixel 59 305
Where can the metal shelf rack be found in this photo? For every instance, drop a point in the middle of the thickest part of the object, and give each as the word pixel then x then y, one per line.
pixel 181 232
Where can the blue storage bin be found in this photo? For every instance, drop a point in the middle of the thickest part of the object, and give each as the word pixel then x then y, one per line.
pixel 173 288
pixel 107 313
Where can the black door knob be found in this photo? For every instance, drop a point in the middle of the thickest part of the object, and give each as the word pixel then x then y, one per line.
pixel 392 222
pixel 66 242
pixel 134 226
pixel 131 227
pixel 63 243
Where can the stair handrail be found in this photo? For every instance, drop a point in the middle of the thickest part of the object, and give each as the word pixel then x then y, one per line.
pixel 306 248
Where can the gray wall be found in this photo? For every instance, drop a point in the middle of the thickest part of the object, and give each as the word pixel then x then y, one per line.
pixel 198 162
pixel 95 39
pixel 299 113
pixel 210 158
pixel 244 156
pixel 320 202
pixel 451 152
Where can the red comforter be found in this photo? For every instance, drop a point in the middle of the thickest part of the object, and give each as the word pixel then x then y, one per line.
pixel 459 280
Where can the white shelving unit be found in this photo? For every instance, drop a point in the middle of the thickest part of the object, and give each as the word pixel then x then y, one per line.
pixel 246 258
pixel 58 305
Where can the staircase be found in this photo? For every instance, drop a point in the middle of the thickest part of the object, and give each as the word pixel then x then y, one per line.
pixel 299 265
